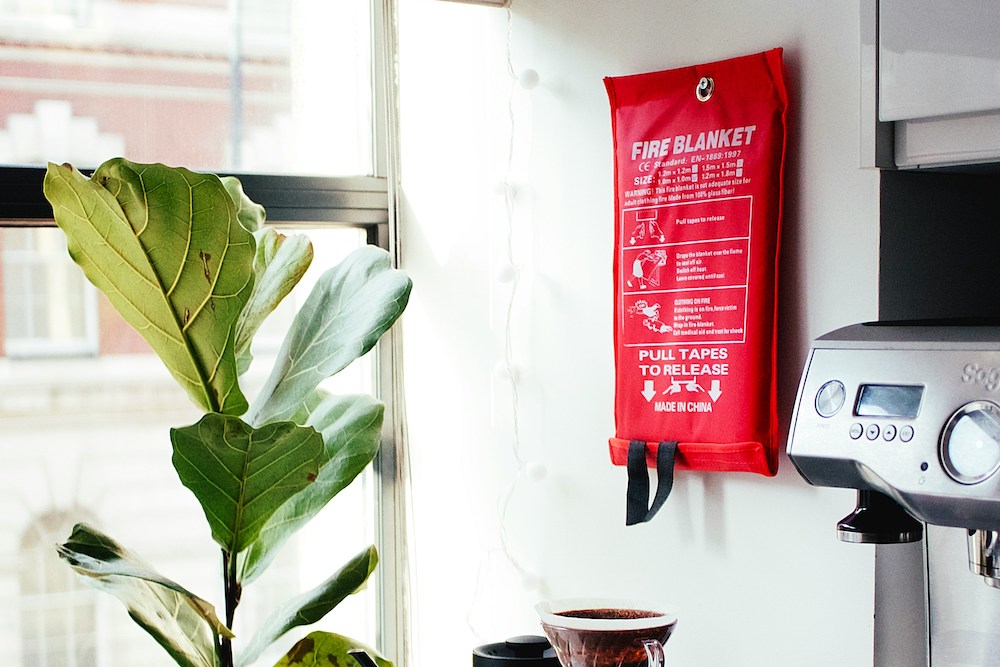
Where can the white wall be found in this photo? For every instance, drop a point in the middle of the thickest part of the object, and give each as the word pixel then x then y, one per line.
pixel 751 563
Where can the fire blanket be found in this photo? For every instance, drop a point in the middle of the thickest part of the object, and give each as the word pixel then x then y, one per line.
pixel 699 158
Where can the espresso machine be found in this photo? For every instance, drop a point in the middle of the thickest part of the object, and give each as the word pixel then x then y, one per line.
pixel 909 414
pixel 905 410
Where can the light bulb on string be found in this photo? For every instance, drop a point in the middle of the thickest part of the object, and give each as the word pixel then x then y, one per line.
pixel 506 273
pixel 507 188
pixel 528 79
pixel 506 371
pixel 530 581
pixel 536 471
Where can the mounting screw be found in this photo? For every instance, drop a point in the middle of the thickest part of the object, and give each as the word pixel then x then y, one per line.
pixel 705 88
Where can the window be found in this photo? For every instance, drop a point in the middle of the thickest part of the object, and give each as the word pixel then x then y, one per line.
pixel 57 616
pixel 50 309
pixel 271 86
pixel 289 96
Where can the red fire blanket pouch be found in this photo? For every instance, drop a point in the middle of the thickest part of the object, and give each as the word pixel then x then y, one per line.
pixel 699 158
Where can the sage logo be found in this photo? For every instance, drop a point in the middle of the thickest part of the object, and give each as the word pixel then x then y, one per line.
pixel 989 378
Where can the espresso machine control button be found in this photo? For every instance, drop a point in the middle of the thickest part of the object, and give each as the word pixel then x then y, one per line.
pixel 970 442
pixel 830 398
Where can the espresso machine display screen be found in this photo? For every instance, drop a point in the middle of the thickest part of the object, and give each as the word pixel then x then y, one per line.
pixel 888 400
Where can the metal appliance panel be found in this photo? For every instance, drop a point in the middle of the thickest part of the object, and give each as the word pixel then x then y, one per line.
pixel 963 610
pixel 849 444
pixel 930 609
pixel 901 627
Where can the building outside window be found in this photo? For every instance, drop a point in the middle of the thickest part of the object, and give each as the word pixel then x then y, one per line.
pixel 285 94
pixel 50 309
pixel 58 612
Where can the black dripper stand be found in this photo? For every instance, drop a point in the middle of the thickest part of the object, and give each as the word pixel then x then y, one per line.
pixel 878 519
pixel 522 651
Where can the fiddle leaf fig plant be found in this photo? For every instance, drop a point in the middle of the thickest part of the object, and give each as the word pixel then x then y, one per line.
pixel 185 258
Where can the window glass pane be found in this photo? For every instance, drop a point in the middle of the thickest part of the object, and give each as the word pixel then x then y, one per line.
pixel 57 610
pixel 276 86
pixel 49 308
pixel 92 433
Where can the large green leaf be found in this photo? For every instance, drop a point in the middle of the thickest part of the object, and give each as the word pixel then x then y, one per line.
pixel 165 246
pixel 184 625
pixel 311 606
pixel 351 427
pixel 326 649
pixel 280 263
pixel 312 402
pixel 349 308
pixel 242 475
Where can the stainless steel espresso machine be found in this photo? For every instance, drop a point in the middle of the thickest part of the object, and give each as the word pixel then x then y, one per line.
pixel 909 414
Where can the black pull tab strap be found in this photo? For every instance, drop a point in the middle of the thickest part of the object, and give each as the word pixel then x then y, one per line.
pixel 637 492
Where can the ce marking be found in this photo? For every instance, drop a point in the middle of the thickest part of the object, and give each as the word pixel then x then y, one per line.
pixel 645 166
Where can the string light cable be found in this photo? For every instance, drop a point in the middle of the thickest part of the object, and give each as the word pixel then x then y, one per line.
pixel 510 273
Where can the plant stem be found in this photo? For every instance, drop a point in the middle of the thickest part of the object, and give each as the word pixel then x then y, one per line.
pixel 224 651
pixel 233 591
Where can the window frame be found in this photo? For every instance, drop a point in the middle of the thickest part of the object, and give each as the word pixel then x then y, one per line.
pixel 366 202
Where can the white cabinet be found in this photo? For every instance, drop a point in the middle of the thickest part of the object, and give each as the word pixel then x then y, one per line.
pixel 938 57
pixel 938 80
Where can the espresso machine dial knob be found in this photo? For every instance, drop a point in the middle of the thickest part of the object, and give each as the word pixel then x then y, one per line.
pixel 830 398
pixel 970 442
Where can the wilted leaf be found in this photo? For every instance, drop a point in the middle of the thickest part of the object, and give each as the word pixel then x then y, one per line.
pixel 165 246
pixel 242 475
pixel 183 624
pixel 250 214
pixel 349 308
pixel 280 263
pixel 351 428
pixel 326 649
pixel 311 606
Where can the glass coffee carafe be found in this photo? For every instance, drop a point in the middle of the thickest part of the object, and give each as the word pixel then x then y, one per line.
pixel 601 632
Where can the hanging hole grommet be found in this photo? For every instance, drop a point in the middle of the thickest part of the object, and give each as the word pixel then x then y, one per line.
pixel 705 88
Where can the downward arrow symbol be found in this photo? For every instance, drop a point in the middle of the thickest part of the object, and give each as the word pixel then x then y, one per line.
pixel 648 392
pixel 715 391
